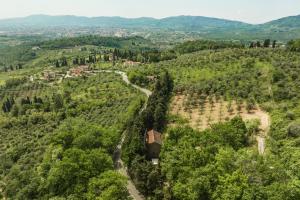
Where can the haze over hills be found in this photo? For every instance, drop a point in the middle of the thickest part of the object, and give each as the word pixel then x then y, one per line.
pixel 120 22
pixel 283 29
pixel 286 22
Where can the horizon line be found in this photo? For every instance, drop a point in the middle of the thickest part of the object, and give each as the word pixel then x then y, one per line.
pixel 149 17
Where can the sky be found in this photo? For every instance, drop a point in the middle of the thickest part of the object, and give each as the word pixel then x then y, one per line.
pixel 250 11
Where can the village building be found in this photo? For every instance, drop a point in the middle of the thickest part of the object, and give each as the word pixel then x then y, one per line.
pixel 130 63
pixel 35 48
pixel 153 145
pixel 49 75
pixel 151 78
pixel 79 71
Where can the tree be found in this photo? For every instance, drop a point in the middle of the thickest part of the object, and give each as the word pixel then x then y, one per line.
pixel 8 104
pixel 231 133
pixel 267 43
pixel 62 177
pixel 72 173
pixel 37 100
pixel 229 107
pixel 106 57
pixel 58 101
pixel 108 186
pixel 75 61
pixel 231 186
pixel 57 64
pixel 258 44
pixel 64 62
pixel 92 58
pixel 159 117
pixel 82 61
pixel 294 130
pixel 293 189
pixel 115 55
pixel 274 44
pixel 250 105
pixel 15 111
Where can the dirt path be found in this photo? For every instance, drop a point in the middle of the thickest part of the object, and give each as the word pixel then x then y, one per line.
pixel 260 144
pixel 126 80
pixel 117 157
pixel 265 127
pixel 265 124
pixel 120 167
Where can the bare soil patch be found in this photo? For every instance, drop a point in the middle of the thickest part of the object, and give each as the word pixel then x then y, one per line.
pixel 201 115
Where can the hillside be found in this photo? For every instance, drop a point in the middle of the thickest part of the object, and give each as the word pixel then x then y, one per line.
pixel 70 21
pixel 292 22
pixel 229 118
pixel 59 126
pixel 157 29
pixel 218 143
pixel 180 22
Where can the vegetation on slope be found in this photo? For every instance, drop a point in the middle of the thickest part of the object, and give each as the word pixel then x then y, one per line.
pixel 170 28
pixel 193 46
pixel 57 138
pixel 146 176
pixel 230 170
pixel 57 141
pixel 294 45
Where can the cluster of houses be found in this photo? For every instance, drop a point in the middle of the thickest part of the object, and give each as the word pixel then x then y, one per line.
pixel 79 71
pixel 50 75
pixel 129 63
pixel 153 139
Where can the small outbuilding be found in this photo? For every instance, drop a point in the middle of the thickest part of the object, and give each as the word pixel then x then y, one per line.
pixel 49 75
pixel 153 144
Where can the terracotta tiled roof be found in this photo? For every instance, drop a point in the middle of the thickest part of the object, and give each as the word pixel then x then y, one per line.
pixel 153 137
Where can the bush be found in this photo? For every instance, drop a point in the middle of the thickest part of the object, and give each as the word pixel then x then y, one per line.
pixel 290 115
pixel 294 130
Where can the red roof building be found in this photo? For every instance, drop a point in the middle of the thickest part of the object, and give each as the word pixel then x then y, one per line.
pixel 153 143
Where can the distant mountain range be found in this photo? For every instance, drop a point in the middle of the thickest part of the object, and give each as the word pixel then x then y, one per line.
pixel 180 22
pixel 284 28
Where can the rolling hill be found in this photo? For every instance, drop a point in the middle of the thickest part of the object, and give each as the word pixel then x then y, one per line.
pixel 204 27
pixel 292 22
pixel 179 22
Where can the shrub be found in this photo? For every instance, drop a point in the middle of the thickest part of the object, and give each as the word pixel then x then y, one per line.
pixel 294 130
pixel 290 115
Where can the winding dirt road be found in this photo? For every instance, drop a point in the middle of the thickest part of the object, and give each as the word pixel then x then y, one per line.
pixel 265 127
pixel 118 163
pixel 261 144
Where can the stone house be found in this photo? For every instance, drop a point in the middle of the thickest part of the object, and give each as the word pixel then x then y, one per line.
pixel 153 144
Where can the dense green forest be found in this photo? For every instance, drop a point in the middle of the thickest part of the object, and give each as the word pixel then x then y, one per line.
pixel 198 45
pixel 113 42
